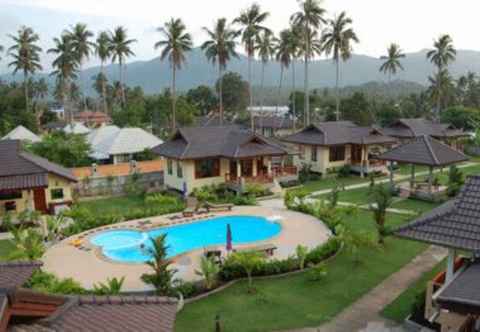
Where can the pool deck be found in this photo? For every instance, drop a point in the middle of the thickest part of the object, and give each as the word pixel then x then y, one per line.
pixel 89 266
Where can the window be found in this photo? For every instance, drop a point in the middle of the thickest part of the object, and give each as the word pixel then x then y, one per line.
pixel 169 166
pixel 56 193
pixel 337 153
pixel 314 153
pixel 207 168
pixel 9 195
pixel 179 169
pixel 301 149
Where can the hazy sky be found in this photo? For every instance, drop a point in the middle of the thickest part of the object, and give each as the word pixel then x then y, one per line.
pixel 411 23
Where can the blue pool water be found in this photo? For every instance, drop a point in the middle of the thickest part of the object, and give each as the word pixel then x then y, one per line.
pixel 125 245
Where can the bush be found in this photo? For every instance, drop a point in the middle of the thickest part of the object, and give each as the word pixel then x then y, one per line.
pixel 306 174
pixel 187 289
pixel 317 273
pixel 220 194
pixel 455 181
pixel 344 171
pixel 48 283
pixel 256 190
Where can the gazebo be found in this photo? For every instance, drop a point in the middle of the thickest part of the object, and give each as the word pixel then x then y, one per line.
pixel 453 296
pixel 424 151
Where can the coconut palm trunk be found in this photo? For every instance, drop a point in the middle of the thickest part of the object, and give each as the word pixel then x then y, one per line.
pixel 104 88
pixel 174 99
pixel 294 99
pixel 220 92
pixel 337 95
pixel 280 87
pixel 262 103
pixel 307 97
pixel 25 87
pixel 122 90
pixel 439 95
pixel 250 90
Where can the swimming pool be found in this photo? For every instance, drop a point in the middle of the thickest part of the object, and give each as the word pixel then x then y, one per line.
pixel 126 245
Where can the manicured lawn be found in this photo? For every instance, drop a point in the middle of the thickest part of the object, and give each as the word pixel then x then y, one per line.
pixel 414 205
pixel 401 307
pixel 6 247
pixel 329 183
pixel 295 301
pixel 118 205
pixel 357 196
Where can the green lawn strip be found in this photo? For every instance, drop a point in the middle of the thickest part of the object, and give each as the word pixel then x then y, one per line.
pixel 401 307
pixel 6 247
pixel 294 301
pixel 329 183
pixel 358 196
pixel 414 205
pixel 117 205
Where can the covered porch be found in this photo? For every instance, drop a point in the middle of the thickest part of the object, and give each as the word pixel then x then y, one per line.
pixel 363 159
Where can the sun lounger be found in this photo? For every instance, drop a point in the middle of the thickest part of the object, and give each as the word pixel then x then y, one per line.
pixel 268 249
pixel 218 207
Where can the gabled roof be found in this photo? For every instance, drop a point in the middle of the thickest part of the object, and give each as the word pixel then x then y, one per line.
pixel 338 133
pixel 23 134
pixel 111 140
pixel 274 122
pixel 455 224
pixel 410 128
pixel 211 120
pixel 209 142
pixel 23 170
pixel 424 150
pixel 76 128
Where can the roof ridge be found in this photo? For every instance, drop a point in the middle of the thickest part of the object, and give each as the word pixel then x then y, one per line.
pixel 426 139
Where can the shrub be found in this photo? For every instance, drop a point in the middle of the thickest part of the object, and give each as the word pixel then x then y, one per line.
pixel 317 273
pixel 344 171
pixel 48 283
pixel 306 174
pixel 455 181
pixel 256 190
pixel 187 289
pixel 111 287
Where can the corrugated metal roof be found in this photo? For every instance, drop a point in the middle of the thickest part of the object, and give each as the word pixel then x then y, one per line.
pixel 23 134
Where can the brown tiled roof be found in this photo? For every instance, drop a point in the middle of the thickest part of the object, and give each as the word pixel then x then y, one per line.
pixel 411 128
pixel 424 150
pixel 19 169
pixel 456 224
pixel 211 120
pixel 114 313
pixel 338 133
pixel 274 122
pixel 462 295
pixel 15 274
pixel 212 142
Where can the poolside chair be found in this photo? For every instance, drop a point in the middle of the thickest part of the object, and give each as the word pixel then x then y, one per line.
pixel 218 207
pixel 192 207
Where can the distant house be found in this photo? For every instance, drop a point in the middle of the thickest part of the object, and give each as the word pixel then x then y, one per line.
pixel 92 119
pixel 54 126
pixel 406 130
pixel 76 128
pixel 23 134
pixel 327 146
pixel 110 144
pixel 268 110
pixel 273 126
pixel 199 156
pixel 30 182
pixel 59 112
pixel 211 120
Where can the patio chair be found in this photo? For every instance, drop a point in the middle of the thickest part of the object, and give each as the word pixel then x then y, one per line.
pixel 192 207
pixel 218 207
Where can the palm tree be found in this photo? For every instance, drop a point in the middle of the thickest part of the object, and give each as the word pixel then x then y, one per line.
pixel 175 44
pixel 120 51
pixel 251 20
pixel 82 46
pixel 26 56
pixel 337 41
pixel 209 270
pixel 65 65
pixel 283 56
pixel 392 63
pixel 441 56
pixel 308 19
pixel 295 46
pixel 381 199
pixel 103 49
pixel 219 49
pixel 441 87
pixel 265 47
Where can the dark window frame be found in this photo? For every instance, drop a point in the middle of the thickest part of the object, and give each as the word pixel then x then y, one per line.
pixel 314 153
pixel 179 170
pixel 11 195
pixel 54 193
pixel 337 153
pixel 207 168
pixel 170 166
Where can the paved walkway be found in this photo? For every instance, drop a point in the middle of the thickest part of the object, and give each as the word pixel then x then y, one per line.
pixel 364 315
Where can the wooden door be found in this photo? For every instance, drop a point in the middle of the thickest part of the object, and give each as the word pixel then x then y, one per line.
pixel 356 154
pixel 233 170
pixel 40 200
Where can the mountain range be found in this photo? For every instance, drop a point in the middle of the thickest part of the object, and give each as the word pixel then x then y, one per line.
pixel 154 75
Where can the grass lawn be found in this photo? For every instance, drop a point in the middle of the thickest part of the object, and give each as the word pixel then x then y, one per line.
pixel 119 205
pixel 6 247
pixel 329 183
pixel 358 196
pixel 401 307
pixel 294 301
pixel 414 205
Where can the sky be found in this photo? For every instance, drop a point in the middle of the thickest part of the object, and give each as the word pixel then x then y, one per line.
pixel 413 24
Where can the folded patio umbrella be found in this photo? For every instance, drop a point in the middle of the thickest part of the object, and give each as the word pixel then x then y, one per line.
pixel 229 238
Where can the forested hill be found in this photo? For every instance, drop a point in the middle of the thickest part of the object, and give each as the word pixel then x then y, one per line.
pixel 153 75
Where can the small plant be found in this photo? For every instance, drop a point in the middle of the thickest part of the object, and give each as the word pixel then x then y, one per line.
pixel 28 243
pixel 54 224
pixel 317 273
pixel 301 252
pixel 455 181
pixel 48 283
pixel 344 171
pixel 353 241
pixel 111 287
pixel 381 199
pixel 209 271
pixel 248 260
pixel 334 194
pixel 29 217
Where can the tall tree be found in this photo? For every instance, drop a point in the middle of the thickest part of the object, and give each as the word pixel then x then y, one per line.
pixel 175 43
pixel 103 50
pixel 441 56
pixel 308 19
pixel 265 46
pixel 82 47
pixel 251 20
pixel 26 56
pixel 121 49
pixel 65 65
pixel 295 46
pixel 442 88
pixel 283 56
pixel 337 41
pixel 219 49
pixel 392 63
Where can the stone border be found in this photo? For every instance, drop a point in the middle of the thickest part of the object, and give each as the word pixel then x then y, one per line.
pixel 273 276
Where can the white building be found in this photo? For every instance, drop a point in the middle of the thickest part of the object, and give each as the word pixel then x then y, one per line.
pixel 23 134
pixel 76 128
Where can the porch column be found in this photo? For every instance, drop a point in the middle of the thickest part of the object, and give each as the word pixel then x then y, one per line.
pixel 269 166
pixel 362 158
pixel 239 169
pixel 412 177
pixel 392 184
pixel 450 265
pixel 254 168
pixel 430 179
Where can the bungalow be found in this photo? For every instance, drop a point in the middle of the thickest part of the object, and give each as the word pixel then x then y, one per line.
pixel 405 130
pixel 273 126
pixel 199 156
pixel 327 146
pixel 28 182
